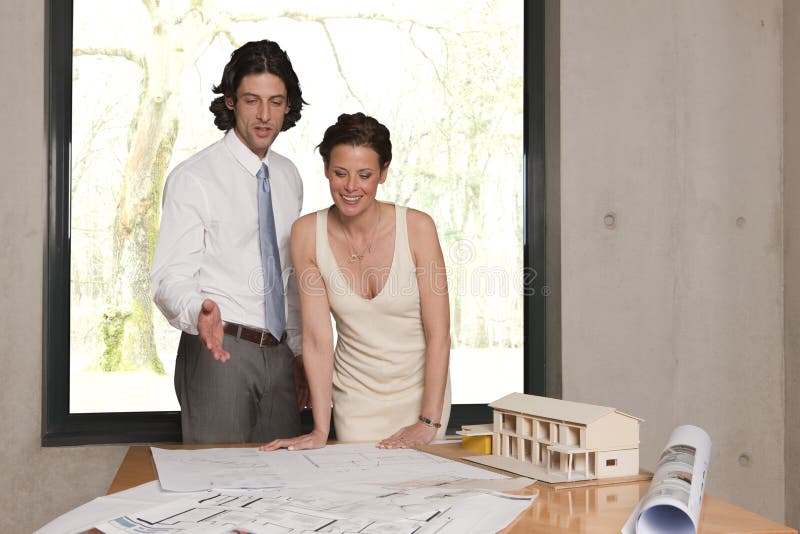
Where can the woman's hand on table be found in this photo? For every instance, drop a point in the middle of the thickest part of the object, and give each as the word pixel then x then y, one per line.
pixel 409 437
pixel 315 440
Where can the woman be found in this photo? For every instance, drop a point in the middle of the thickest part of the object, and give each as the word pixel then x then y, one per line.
pixel 379 269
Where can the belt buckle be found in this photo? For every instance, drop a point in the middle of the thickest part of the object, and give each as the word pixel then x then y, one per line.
pixel 264 337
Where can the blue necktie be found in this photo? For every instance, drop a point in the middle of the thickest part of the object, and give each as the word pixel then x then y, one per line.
pixel 270 257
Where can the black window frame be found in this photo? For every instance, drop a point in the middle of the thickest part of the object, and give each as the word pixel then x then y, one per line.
pixel 60 427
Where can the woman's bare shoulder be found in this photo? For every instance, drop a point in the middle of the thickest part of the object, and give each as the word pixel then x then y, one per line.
pixel 420 223
pixel 306 223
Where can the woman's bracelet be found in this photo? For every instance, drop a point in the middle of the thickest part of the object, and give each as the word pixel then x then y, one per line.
pixel 429 422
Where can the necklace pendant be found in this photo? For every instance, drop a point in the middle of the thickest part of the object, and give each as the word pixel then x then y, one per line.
pixel 356 257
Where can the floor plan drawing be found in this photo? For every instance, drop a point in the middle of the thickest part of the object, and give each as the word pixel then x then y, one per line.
pixel 195 470
pixel 367 459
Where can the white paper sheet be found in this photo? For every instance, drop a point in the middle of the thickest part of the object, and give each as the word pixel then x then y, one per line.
pixel 193 470
pixel 401 491
pixel 196 470
pixel 482 514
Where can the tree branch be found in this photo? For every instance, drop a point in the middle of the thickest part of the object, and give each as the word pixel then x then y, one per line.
pixel 130 55
pixel 231 39
pixel 152 7
pixel 339 65
pixel 304 17
pixel 323 21
pixel 192 10
pixel 425 54
pixel 205 9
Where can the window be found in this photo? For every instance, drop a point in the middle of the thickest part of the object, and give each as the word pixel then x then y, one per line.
pixel 463 148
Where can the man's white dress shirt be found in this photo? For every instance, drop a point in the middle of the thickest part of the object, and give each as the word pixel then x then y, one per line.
pixel 208 245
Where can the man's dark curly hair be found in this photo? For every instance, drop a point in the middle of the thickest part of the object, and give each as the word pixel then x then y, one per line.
pixel 357 130
pixel 256 57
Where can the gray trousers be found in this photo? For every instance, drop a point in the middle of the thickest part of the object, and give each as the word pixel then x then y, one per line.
pixel 248 399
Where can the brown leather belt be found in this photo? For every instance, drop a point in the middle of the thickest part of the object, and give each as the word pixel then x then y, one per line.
pixel 262 338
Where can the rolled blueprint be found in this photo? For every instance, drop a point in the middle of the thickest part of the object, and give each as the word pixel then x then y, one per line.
pixel 672 504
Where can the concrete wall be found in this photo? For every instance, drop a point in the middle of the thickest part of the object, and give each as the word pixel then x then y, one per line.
pixel 37 484
pixel 671 227
pixel 791 210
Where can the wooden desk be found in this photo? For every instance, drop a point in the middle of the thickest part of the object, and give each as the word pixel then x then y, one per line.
pixel 587 510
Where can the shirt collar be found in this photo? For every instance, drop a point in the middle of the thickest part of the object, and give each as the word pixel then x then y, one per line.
pixel 244 155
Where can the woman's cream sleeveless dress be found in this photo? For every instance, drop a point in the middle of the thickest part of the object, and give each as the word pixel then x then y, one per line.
pixel 379 361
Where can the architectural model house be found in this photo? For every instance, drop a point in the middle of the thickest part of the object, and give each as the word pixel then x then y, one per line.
pixel 561 441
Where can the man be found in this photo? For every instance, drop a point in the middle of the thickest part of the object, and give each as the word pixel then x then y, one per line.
pixel 222 251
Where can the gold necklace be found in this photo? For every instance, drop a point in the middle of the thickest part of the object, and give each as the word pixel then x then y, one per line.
pixel 356 256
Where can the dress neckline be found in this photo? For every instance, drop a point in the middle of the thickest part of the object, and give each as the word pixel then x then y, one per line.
pixel 341 271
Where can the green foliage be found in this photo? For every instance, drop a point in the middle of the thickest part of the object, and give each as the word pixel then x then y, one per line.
pixel 118 331
pixel 112 330
pixel 157 366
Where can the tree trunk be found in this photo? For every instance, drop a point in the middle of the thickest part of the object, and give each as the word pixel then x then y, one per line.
pixel 135 233
pixel 153 133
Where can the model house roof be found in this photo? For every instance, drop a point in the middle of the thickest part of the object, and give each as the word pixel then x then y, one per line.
pixel 574 412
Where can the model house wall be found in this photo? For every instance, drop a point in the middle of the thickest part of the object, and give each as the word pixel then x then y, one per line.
pixel 617 430
pixel 555 440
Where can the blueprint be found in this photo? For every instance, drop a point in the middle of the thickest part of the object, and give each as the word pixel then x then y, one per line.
pixel 194 470
pixel 358 489
pixel 134 500
pixel 424 505
pixel 83 518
